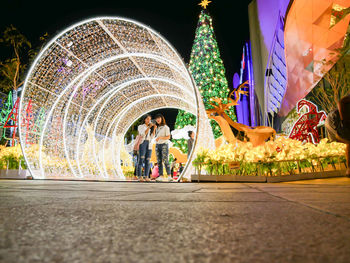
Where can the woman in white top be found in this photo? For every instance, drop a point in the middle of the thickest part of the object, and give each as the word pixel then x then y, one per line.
pixel 147 131
pixel 162 146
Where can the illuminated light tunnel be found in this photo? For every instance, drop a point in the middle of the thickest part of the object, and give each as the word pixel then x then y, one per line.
pixel 88 86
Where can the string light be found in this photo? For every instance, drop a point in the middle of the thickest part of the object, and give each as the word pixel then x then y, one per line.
pixel 89 85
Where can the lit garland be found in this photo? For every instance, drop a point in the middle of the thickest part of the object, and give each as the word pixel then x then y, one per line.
pixel 88 86
pixel 6 109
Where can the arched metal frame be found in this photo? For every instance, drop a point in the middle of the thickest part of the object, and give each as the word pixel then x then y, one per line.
pixel 87 87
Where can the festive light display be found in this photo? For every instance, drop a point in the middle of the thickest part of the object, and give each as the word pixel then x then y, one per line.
pixel 28 119
pixel 305 128
pixel 6 109
pixel 12 121
pixel 204 3
pixel 4 113
pixel 208 71
pixel 39 123
pixel 283 156
pixel 256 136
pixel 89 85
pixel 183 119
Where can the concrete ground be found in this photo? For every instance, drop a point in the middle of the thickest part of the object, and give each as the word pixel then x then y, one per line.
pixel 64 221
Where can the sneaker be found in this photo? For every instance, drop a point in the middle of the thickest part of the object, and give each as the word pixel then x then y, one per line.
pixel 170 179
pixel 159 178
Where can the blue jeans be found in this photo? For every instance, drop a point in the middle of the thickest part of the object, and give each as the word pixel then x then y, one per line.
pixel 162 151
pixel 144 159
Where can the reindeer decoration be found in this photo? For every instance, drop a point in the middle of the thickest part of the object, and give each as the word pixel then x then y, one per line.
pixel 257 136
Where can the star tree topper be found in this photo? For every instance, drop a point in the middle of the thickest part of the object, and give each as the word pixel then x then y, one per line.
pixel 204 3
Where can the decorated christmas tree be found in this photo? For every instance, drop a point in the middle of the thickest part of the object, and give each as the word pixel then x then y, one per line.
pixel 183 119
pixel 208 72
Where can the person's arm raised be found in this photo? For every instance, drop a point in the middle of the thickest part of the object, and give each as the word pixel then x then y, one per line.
pixel 147 130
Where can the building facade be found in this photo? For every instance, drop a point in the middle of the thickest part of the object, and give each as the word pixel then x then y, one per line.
pixel 293 44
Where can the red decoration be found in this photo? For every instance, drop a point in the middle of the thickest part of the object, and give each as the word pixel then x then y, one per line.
pixel 305 128
pixel 13 118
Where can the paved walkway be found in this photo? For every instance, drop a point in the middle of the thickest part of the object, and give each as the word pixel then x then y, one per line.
pixel 64 221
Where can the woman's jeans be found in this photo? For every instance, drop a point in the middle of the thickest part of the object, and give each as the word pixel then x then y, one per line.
pixel 162 151
pixel 144 159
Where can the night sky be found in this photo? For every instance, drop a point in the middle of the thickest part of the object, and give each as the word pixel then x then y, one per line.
pixel 175 20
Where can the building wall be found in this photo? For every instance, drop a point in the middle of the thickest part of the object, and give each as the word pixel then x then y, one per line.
pixel 264 19
pixel 312 36
pixel 259 53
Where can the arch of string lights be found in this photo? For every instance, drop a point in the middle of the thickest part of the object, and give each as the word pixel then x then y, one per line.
pixel 88 86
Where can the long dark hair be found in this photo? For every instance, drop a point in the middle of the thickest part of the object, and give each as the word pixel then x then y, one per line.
pixel 145 117
pixel 163 122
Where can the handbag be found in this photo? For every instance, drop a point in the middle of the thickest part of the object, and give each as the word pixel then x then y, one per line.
pixel 139 139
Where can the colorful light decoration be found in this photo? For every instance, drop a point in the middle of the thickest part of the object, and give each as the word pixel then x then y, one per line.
pixel 6 109
pixel 28 120
pixel 305 128
pixel 204 3
pixel 12 121
pixel 88 86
